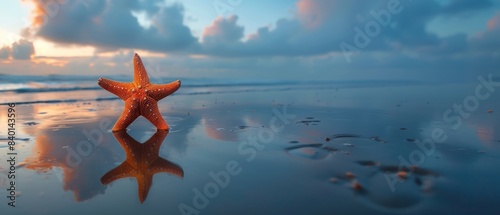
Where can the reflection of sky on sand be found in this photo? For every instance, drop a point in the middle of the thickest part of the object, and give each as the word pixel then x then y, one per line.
pixel 297 166
pixel 54 143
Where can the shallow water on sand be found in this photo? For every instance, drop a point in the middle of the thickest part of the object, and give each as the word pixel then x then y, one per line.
pixel 366 150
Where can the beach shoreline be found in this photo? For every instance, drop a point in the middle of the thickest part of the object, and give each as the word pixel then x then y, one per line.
pixel 333 155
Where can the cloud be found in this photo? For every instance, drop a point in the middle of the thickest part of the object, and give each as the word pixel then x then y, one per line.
pixel 494 22
pixel 487 40
pixel 19 50
pixel 449 45
pixel 223 36
pixel 460 6
pixel 320 26
pixel 5 52
pixel 312 14
pixel 110 25
pixel 317 27
pixel 223 30
pixel 305 45
pixel 410 25
pixel 23 50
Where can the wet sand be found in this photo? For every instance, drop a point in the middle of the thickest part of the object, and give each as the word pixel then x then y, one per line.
pixel 294 150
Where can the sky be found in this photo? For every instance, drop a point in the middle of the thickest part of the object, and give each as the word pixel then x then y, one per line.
pixel 267 40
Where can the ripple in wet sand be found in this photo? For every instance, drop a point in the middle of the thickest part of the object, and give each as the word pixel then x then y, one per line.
pixel 360 141
pixel 411 140
pixel 31 123
pixel 367 163
pixel 241 127
pixel 308 122
pixel 414 169
pixel 378 139
pixel 378 194
pixel 336 136
pixel 309 151
pixel 348 145
pixel 375 192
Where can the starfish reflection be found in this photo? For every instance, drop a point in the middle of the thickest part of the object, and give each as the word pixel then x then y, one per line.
pixel 142 162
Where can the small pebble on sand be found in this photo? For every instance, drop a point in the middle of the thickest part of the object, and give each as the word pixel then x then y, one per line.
pixel 402 174
pixel 356 185
pixel 334 180
pixel 350 175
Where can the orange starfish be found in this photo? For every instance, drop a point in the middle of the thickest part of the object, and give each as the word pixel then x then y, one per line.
pixel 141 97
pixel 142 162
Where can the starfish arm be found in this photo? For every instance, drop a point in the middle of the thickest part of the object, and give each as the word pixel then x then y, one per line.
pixel 124 170
pixel 162 165
pixel 129 144
pixel 150 111
pixel 140 76
pixel 153 145
pixel 140 97
pixel 160 91
pixel 130 113
pixel 120 89
pixel 151 148
pixel 144 183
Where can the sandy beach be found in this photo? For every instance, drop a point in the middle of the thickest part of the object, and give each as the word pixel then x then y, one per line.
pixel 283 148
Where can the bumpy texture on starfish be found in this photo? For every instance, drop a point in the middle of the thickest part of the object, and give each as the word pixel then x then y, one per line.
pixel 142 162
pixel 141 97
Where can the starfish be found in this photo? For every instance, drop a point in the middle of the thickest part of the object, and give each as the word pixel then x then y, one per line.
pixel 142 162
pixel 141 97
